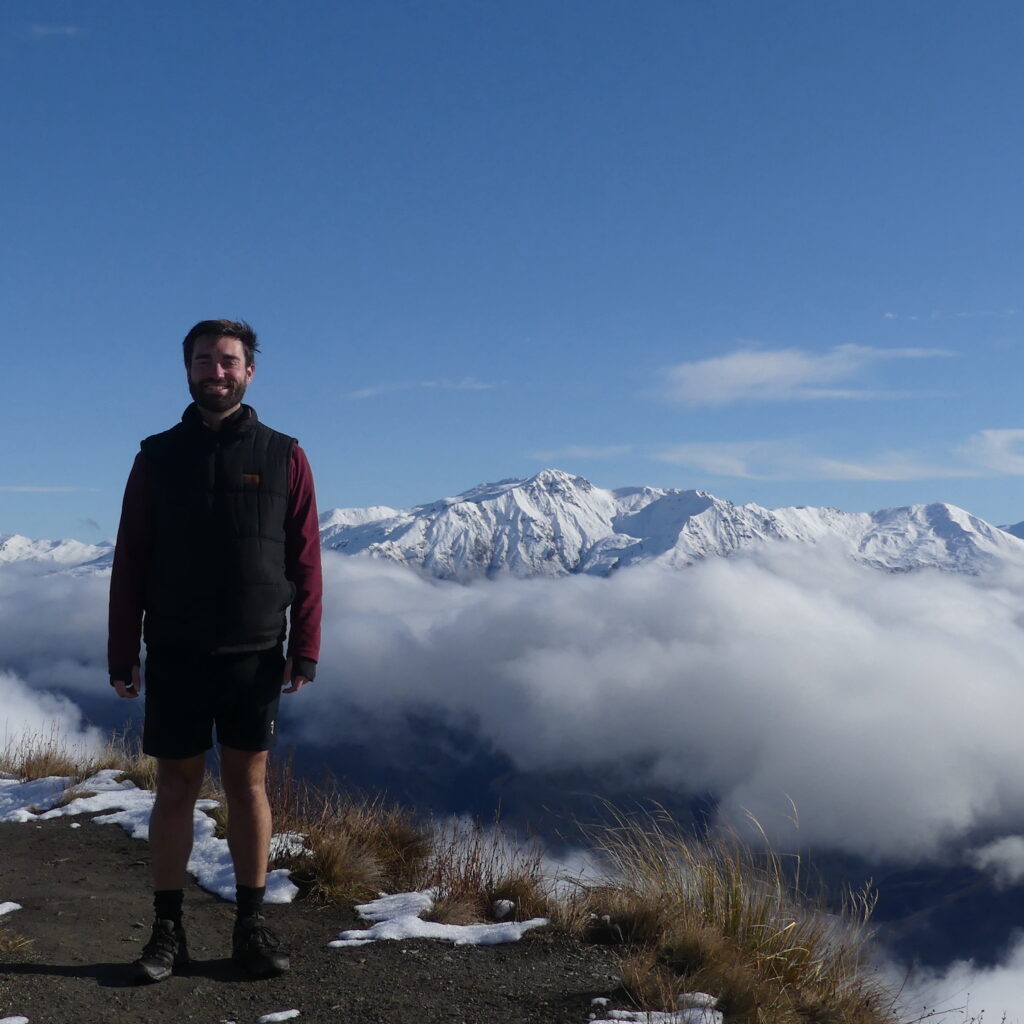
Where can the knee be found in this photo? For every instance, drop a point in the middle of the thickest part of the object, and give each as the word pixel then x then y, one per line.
pixel 244 780
pixel 244 790
pixel 178 785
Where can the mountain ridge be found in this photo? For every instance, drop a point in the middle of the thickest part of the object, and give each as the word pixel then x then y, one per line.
pixel 559 524
pixel 556 524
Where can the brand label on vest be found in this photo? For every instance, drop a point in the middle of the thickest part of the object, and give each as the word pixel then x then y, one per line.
pixel 250 478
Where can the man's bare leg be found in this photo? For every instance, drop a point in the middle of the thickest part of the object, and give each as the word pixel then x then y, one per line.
pixel 244 777
pixel 243 774
pixel 170 825
pixel 170 843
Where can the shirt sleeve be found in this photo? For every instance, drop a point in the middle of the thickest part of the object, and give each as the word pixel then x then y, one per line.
pixel 128 575
pixel 302 560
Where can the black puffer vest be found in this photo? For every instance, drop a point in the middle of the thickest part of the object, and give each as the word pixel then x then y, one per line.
pixel 216 580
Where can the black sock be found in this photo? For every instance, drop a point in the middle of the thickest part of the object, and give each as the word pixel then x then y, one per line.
pixel 249 900
pixel 167 904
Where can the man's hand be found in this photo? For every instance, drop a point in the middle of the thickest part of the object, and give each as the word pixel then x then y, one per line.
pixel 291 683
pixel 129 689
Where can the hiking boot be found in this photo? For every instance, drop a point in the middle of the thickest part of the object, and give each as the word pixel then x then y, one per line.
pixel 256 948
pixel 165 950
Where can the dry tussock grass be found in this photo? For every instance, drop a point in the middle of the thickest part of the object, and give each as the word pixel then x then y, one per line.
pixel 11 943
pixel 41 756
pixel 355 846
pixel 472 867
pixel 716 916
pixel 47 755
pixel 124 754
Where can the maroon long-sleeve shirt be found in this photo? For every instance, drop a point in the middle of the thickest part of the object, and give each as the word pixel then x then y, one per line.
pixel 134 543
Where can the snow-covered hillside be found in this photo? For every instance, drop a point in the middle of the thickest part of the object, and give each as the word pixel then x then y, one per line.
pixel 554 524
pixel 49 554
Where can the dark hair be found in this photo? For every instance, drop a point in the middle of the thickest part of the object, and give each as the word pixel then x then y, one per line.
pixel 222 329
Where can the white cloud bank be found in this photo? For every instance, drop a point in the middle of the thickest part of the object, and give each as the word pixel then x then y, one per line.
pixel 960 994
pixel 886 706
pixel 30 717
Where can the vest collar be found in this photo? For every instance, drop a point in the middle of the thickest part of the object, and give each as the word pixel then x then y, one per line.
pixel 239 422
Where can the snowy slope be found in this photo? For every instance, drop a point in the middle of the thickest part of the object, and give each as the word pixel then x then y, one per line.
pixel 48 554
pixel 554 524
pixel 1017 529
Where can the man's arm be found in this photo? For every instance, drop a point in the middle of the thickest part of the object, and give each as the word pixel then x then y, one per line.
pixel 302 567
pixel 127 585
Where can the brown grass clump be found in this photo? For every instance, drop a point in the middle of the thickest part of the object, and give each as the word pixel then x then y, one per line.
pixel 124 754
pixel 716 916
pixel 219 814
pixel 11 943
pixel 355 846
pixel 42 756
pixel 474 867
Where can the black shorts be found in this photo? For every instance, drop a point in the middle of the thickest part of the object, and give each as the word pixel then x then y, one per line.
pixel 187 694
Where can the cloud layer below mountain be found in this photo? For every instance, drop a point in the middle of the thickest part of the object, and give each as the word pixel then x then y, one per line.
pixel 886 707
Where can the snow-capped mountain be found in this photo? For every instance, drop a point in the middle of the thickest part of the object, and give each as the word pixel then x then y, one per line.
pixel 49 554
pixel 1017 529
pixel 555 524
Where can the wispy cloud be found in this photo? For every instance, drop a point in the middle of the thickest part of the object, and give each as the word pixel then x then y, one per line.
pixel 38 31
pixel 583 451
pixel 978 314
pixel 999 451
pixel 778 375
pixel 18 489
pixel 444 384
pixel 987 453
pixel 790 460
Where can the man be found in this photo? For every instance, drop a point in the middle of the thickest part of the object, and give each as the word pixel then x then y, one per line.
pixel 218 537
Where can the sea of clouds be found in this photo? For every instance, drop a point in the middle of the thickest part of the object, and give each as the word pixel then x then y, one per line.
pixel 885 708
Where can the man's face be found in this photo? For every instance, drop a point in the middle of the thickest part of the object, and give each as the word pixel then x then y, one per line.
pixel 217 374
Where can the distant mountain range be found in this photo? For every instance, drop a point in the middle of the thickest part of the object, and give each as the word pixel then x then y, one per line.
pixel 557 524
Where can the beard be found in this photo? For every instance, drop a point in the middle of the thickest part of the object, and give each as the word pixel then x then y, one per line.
pixel 215 401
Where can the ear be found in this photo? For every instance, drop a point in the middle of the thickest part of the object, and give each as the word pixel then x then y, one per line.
pixel 249 371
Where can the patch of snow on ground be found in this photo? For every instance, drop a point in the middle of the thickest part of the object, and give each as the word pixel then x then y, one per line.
pixel 398 917
pixel 696 1015
pixel 127 805
pixel 16 797
pixel 694 1008
pixel 273 1018
pixel 7 908
pixel 14 1020
pixel 287 844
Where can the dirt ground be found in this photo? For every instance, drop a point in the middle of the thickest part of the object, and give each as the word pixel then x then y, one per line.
pixel 87 909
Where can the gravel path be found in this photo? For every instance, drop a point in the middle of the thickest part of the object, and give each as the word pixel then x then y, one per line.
pixel 86 907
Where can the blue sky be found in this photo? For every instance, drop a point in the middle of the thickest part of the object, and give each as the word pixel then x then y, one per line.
pixel 768 250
